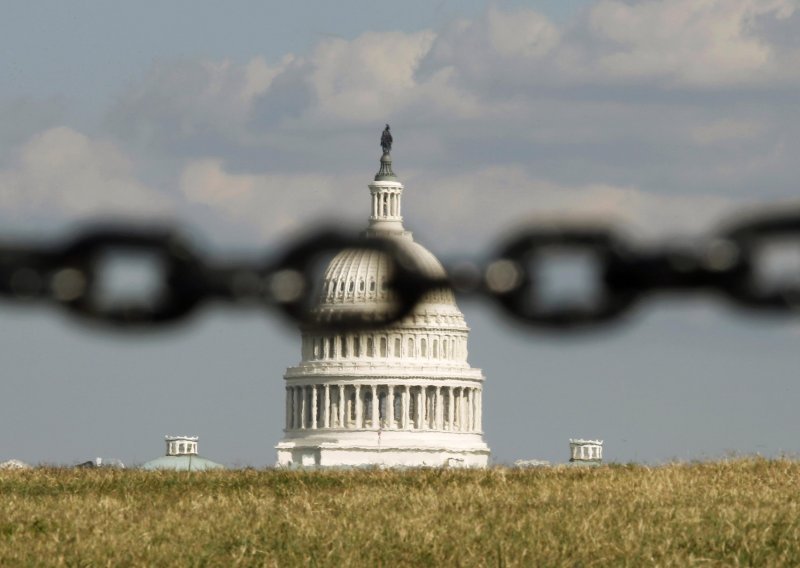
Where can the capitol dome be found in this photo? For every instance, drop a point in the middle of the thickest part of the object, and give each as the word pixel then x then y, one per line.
pixel 403 395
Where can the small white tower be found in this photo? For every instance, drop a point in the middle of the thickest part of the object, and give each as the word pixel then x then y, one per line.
pixel 181 445
pixel 182 456
pixel 585 451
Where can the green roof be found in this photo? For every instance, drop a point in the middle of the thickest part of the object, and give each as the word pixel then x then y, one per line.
pixel 182 463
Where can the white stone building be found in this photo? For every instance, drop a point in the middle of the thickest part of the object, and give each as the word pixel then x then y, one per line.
pixel 404 395
pixel 585 451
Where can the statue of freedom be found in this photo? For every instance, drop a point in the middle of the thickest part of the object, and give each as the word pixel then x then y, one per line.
pixel 386 140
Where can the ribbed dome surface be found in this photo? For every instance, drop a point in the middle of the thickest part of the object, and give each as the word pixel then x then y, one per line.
pixel 359 276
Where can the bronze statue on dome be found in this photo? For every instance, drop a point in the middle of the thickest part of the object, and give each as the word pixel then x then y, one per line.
pixel 386 140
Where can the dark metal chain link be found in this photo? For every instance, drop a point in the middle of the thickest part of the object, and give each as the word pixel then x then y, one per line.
pixel 725 265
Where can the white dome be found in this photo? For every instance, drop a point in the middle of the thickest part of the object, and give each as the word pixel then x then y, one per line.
pixel 401 395
pixel 356 278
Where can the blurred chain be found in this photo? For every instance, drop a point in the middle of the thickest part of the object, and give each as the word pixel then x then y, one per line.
pixel 725 265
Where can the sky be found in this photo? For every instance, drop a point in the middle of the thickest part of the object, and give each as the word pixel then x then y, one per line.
pixel 248 122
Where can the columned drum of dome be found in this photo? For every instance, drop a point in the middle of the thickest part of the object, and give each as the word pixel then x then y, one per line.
pixel 403 395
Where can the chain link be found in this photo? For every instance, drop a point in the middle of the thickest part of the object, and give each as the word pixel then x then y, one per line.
pixel 725 265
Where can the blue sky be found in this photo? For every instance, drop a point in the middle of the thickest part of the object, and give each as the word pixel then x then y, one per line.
pixel 247 122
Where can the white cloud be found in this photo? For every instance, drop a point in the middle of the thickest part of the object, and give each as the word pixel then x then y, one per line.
pixel 692 44
pixel 482 205
pixel 470 209
pixel 521 33
pixel 687 42
pixel 610 113
pixel 271 204
pixel 368 77
pixel 180 103
pixel 63 173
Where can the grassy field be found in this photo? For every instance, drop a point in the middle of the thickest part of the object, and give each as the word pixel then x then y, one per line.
pixel 722 513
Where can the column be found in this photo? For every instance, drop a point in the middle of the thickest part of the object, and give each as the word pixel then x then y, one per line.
pixel 469 410
pixel 460 408
pixel 314 407
pixel 420 408
pixel 450 408
pixel 288 418
pixel 479 411
pixel 342 406
pixel 439 411
pixel 359 408
pixel 390 407
pixel 326 408
pixel 464 410
pixel 296 403
pixel 375 409
pixel 302 408
pixel 375 205
pixel 406 404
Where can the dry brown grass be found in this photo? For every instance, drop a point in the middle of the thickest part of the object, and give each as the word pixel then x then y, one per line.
pixel 723 513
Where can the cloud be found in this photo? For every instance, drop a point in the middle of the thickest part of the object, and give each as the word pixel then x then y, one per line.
pixel 62 173
pixel 689 44
pixel 481 206
pixel 192 105
pixel 660 113
pixel 272 204
pixel 695 43
pixel 470 209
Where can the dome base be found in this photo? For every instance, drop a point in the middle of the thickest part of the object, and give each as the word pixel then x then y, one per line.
pixel 369 448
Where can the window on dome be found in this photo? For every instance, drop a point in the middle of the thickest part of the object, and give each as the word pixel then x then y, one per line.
pixel 343 341
pixel 435 349
pixel 361 285
pixel 181 448
pixel 397 347
pixel 372 286
pixel 356 346
pixel 331 347
pixel 341 285
pixel 370 347
pixel 410 351
pixel 423 346
pixel 351 287
pixel 383 347
pixel 445 345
